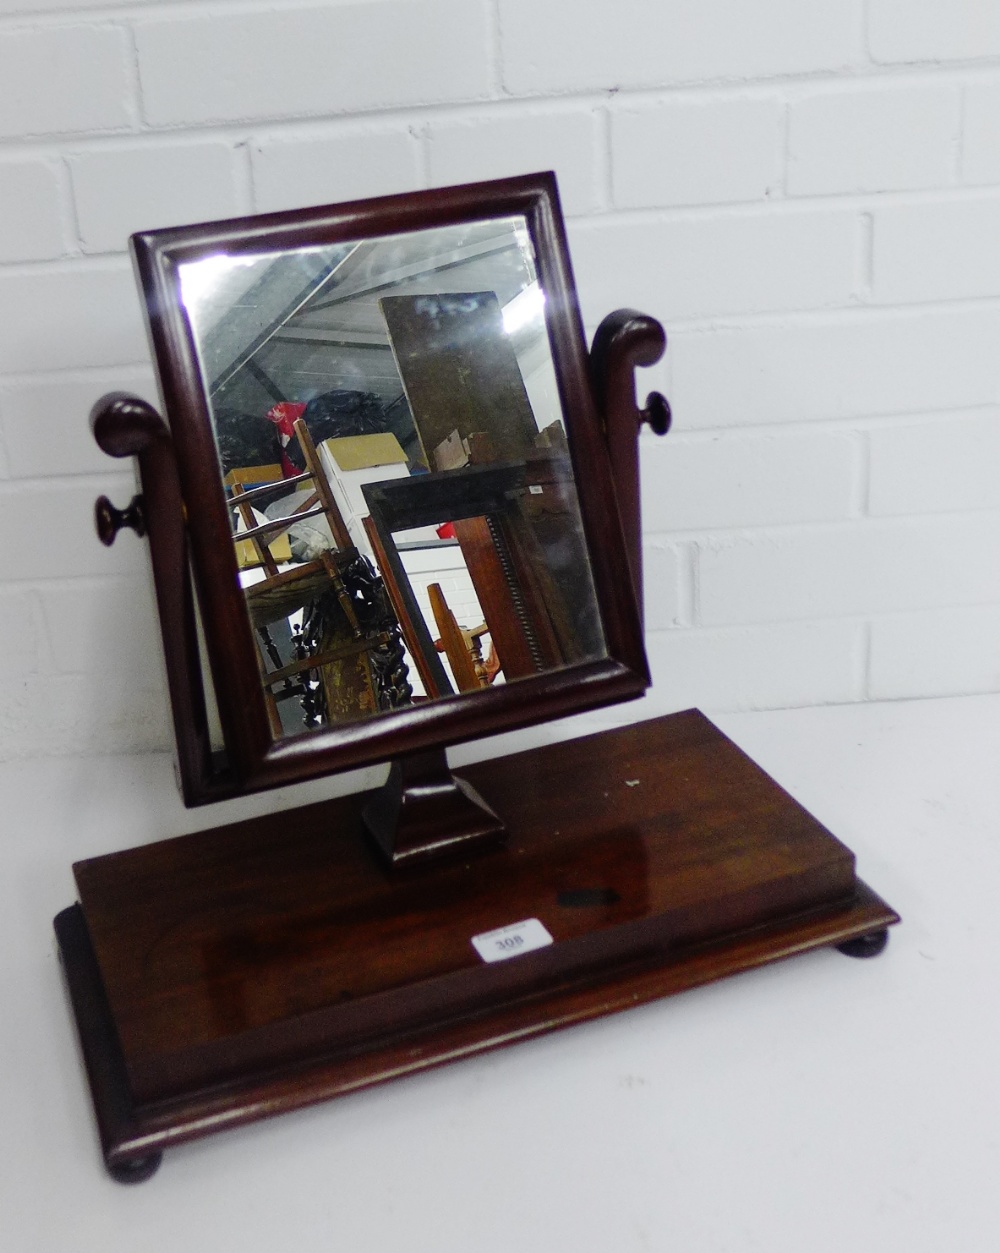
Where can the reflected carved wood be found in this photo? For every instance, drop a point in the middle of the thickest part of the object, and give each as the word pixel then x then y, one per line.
pixel 453 641
pixel 493 583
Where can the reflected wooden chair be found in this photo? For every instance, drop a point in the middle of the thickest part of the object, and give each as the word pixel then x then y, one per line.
pixel 342 660
pixel 463 648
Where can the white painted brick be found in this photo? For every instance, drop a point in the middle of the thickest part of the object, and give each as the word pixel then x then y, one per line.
pixel 948 652
pixel 763 667
pixel 290 173
pixel 872 567
pixel 122 190
pixel 682 152
pixel 104 627
pixel 64 79
pixel 851 366
pixel 733 263
pixel 938 251
pixel 12 7
pixel 293 62
pixel 872 139
pixel 55 715
pixel 499 146
pixel 18 634
pixel 31 221
pixel 84 316
pixel 45 427
pixel 933 30
pixel 610 44
pixel 661 576
pixel 951 463
pixel 981 138
pixel 49 531
pixel 700 482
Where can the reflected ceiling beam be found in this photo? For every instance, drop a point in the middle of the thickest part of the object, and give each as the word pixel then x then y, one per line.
pixel 304 296
pixel 264 380
pixel 341 339
pixel 416 269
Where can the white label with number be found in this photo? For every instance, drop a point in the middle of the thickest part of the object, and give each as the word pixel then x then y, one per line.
pixel 511 941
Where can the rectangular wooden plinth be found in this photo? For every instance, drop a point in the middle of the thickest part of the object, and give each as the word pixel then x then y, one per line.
pixel 232 974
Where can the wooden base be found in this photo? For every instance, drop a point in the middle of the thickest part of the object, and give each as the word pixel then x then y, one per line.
pixel 236 973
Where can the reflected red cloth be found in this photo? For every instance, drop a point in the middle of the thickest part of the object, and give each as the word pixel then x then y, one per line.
pixel 284 415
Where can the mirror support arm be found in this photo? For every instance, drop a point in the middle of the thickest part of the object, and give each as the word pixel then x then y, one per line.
pixel 126 426
pixel 624 341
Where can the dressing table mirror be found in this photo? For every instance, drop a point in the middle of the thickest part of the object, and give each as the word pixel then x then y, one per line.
pixel 395 508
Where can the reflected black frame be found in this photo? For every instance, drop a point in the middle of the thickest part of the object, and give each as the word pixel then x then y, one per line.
pixel 257 760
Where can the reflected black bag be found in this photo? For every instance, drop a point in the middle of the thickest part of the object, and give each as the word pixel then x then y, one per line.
pixel 336 414
pixel 246 439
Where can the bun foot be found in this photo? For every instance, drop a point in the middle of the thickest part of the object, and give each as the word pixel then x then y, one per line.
pixel 869 945
pixel 136 1169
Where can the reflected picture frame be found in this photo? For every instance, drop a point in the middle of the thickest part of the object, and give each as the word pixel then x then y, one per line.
pixel 256 759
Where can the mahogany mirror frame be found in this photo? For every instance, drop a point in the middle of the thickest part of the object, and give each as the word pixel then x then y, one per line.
pixel 256 760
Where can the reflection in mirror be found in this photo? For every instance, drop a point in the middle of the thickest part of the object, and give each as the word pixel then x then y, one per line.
pixel 394 457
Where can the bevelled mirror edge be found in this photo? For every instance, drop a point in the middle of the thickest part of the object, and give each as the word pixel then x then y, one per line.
pixel 259 761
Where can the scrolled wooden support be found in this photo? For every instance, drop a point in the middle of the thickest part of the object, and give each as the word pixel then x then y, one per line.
pixel 127 426
pixel 624 341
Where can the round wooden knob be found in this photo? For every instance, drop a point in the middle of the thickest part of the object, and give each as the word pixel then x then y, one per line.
pixel 111 520
pixel 657 413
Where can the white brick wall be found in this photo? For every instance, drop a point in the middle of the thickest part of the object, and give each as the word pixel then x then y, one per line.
pixel 496 145
pixel 938 464
pixel 714 481
pixel 933 30
pixel 944 250
pixel 941 653
pixel 847 366
pixel 549 46
pixel 64 79
pixel 292 171
pixel 692 151
pixel 778 666
pixel 873 139
pixel 121 190
pixel 849 569
pixel 718 263
pixel 298 62
pixel 31 224
pixel 981 140
pixel 808 195
pixel 78 316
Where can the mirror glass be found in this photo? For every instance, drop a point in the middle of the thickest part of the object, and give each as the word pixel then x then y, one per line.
pixel 393 453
